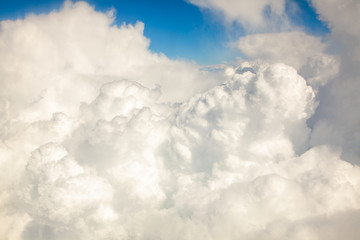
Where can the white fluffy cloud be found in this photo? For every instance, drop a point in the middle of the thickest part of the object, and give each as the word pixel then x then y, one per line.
pixel 49 56
pixel 335 75
pixel 102 139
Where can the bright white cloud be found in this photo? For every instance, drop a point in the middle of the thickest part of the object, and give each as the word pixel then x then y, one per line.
pixel 85 51
pixel 102 139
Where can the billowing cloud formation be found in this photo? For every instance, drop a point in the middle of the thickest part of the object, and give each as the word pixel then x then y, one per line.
pixel 64 37
pixel 90 149
pixel 335 75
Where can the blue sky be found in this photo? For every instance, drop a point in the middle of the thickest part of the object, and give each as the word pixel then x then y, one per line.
pixel 176 28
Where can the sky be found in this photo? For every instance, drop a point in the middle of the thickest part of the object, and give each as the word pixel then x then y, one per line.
pixel 176 28
pixel 198 119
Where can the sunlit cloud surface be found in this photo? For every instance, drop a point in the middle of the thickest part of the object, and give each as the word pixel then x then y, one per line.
pixel 102 138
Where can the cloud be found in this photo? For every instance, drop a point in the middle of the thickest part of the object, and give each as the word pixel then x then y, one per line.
pixel 304 52
pixel 336 122
pixel 103 139
pixel 330 64
pixel 271 37
pixel 292 48
pixel 253 16
pixel 239 174
pixel 78 63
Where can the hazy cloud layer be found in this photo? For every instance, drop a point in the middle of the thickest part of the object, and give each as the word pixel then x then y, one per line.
pixel 304 52
pixel 337 120
pixel 102 139
pixel 254 16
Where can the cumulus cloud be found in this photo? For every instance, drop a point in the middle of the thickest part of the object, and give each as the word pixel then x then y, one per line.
pixel 103 139
pixel 330 65
pixel 78 63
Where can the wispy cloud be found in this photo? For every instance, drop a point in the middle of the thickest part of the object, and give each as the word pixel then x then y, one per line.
pixel 254 16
